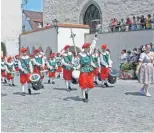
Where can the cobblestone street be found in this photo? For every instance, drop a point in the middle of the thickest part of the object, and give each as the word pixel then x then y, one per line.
pixel 118 108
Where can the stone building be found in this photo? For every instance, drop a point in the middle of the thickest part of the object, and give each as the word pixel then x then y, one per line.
pixel 11 24
pixel 84 11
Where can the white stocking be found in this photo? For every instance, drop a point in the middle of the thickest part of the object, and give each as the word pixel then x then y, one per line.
pixel 146 88
pixel 67 84
pixel 83 92
pixel 12 81
pixel 23 88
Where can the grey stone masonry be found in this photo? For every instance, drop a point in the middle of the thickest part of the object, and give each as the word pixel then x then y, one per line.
pixel 72 11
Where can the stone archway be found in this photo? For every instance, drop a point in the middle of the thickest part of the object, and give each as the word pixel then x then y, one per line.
pixel 3 49
pixel 91 14
pixel 41 49
pixel 48 52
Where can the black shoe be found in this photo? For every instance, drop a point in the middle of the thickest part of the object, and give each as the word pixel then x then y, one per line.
pixel 5 81
pixel 95 82
pixel 86 95
pixel 23 94
pixel 48 81
pixel 13 84
pixel 69 88
pixel 85 100
pixel 58 76
pixel 106 84
pixel 103 86
pixel 42 86
pixel 29 91
pixel 53 82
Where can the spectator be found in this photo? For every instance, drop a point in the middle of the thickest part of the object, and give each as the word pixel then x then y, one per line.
pixel 148 22
pixel 128 23
pixel 114 23
pixel 48 25
pixel 134 26
pixel 138 23
pixel 142 22
pixel 129 56
pixel 123 57
pixel 152 47
pixel 122 25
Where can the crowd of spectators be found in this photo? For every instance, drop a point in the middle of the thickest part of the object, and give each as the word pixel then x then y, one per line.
pixel 129 61
pixel 134 23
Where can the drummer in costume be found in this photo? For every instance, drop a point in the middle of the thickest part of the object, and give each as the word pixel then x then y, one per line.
pixel 10 70
pixel 106 63
pixel 39 64
pixel 59 64
pixel 16 60
pixel 3 71
pixel 67 62
pixel 26 69
pixel 95 59
pixel 86 78
pixel 52 67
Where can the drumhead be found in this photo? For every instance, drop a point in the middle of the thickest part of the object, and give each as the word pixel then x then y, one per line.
pixel 76 74
pixel 34 77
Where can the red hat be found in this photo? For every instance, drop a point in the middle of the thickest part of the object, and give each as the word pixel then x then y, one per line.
pixel 31 55
pixel 23 50
pixel 17 56
pixel 86 45
pixel 52 55
pixel 104 46
pixel 66 47
pixel 37 50
pixel 9 58
pixel 2 57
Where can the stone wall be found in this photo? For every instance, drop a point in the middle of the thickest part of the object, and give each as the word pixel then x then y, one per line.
pixel 71 11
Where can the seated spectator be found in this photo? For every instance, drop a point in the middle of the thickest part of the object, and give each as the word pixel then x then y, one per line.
pixel 142 22
pixel 48 25
pixel 148 22
pixel 138 23
pixel 129 23
pixel 122 25
pixel 134 26
pixel 129 56
pixel 114 23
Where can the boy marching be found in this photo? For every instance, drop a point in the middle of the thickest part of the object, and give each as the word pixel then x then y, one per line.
pixel 106 63
pixel 52 67
pixel 26 69
pixel 67 62
pixel 86 78
pixel 10 70
pixel 59 64
pixel 39 64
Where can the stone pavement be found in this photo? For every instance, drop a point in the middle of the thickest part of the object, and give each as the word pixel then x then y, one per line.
pixel 118 108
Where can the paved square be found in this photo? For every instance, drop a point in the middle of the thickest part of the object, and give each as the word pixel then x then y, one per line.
pixel 118 108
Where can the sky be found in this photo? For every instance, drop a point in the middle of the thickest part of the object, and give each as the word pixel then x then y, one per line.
pixel 34 5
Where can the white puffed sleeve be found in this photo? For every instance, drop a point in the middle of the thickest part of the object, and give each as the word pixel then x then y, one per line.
pixel 142 57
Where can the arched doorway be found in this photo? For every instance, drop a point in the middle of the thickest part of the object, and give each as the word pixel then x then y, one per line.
pixel 92 17
pixel 41 49
pixel 3 49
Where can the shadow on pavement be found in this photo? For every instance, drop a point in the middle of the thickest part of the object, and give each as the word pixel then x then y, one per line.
pixel 20 93
pixel 64 89
pixel 2 94
pixel 134 93
pixel 77 98
pixel 99 85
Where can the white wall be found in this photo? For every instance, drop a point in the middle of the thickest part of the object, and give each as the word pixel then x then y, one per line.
pixel 44 38
pixel 122 40
pixel 64 37
pixel 11 24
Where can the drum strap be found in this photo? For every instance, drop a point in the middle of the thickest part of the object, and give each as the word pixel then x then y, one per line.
pixel 25 64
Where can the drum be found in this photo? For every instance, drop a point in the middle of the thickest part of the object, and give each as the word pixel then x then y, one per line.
pixel 75 76
pixel 112 77
pixel 35 81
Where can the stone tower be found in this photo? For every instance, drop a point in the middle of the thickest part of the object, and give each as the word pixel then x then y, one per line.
pixel 78 11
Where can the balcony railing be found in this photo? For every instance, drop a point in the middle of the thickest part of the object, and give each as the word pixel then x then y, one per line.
pixel 121 28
